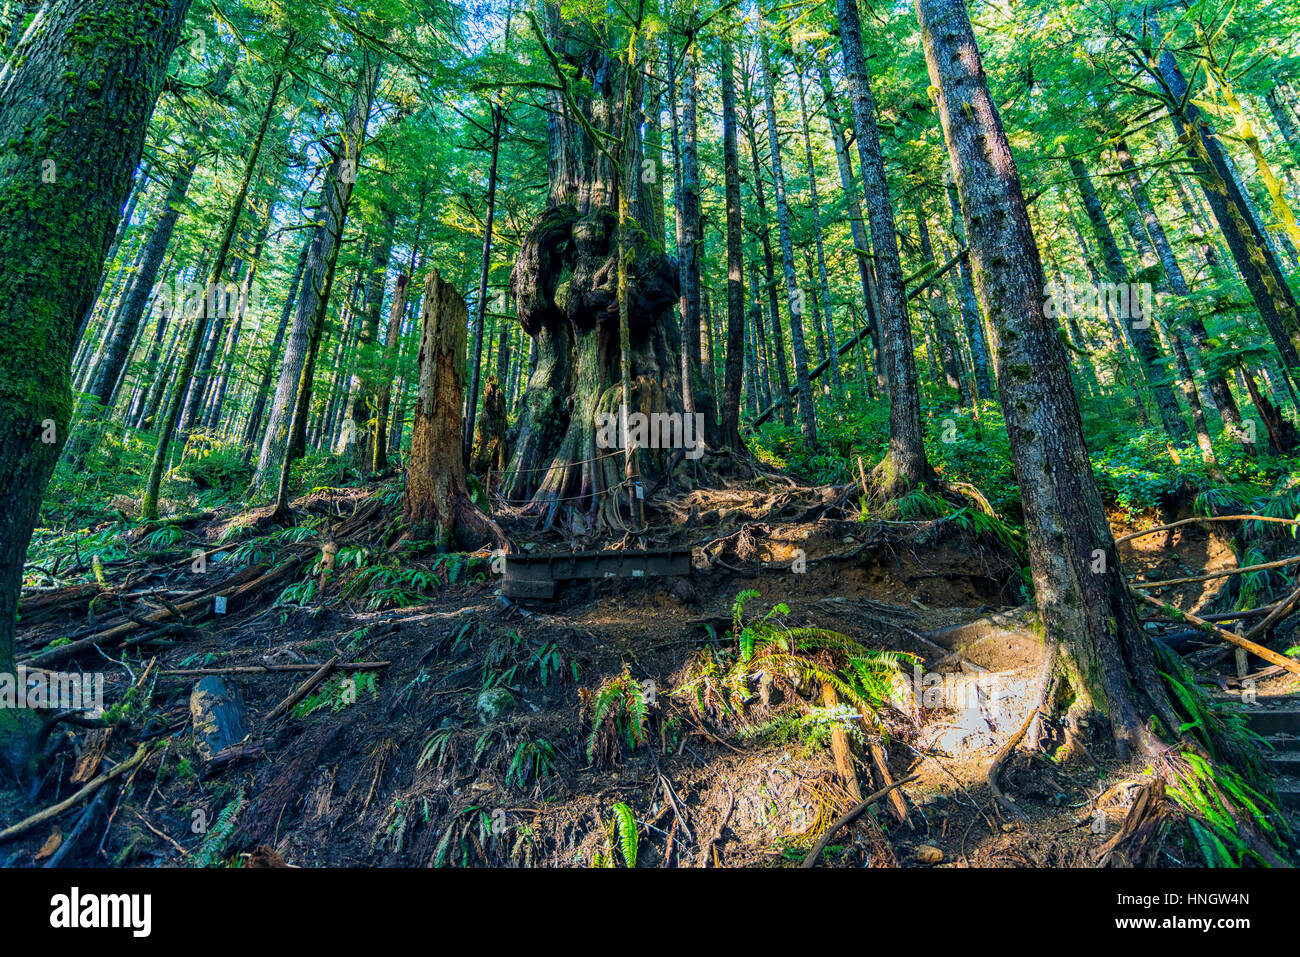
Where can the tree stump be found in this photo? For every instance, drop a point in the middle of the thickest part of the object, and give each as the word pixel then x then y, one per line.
pixel 438 506
pixel 491 447
pixel 217 710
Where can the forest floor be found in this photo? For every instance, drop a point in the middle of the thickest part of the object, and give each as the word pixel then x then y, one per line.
pixel 411 764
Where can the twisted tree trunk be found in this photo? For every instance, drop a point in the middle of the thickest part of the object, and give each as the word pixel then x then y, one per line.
pixel 566 287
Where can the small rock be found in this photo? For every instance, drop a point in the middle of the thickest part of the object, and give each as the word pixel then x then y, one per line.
pixel 929 854
pixel 493 703
pixel 684 592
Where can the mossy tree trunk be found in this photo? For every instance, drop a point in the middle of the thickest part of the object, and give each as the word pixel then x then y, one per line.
pixel 75 101
pixel 567 296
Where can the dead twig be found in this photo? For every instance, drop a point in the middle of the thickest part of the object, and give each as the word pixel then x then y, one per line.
pixel 302 690
pixel 54 810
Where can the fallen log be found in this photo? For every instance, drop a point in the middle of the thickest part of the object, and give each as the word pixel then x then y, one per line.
pixel 218 714
pixel 195 608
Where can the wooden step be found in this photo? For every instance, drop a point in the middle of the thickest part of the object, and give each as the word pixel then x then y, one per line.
pixel 1288 794
pixel 1271 721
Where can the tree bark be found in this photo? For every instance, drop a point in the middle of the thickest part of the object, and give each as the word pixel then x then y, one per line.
pixel 485 266
pixel 1093 637
pixel 971 317
pixel 697 396
pixel 576 289
pixel 905 465
pixel 1246 241
pixel 857 228
pixel 396 316
pixel 1144 228
pixel 309 313
pixel 78 93
pixel 149 506
pixel 814 207
pixel 734 370
pixel 795 298
pixel 777 340
pixel 437 505
pixel 1139 328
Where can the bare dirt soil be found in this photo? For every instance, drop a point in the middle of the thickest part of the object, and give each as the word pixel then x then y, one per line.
pixel 406 766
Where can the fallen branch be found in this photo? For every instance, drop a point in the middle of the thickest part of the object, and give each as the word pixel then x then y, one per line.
pixel 302 690
pixel 1240 641
pixel 1208 518
pixel 273 669
pixel 1280 610
pixel 55 810
pixel 848 817
pixel 1222 573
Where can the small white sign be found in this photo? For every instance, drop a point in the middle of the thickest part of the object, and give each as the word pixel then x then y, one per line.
pixel 219 605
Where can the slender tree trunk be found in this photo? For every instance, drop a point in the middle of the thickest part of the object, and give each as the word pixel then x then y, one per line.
pixel 950 361
pixel 309 314
pixel 776 342
pixel 142 285
pixel 396 320
pixel 905 465
pixel 485 266
pixel 1149 237
pixel 149 506
pixel 734 370
pixel 696 393
pixel 140 183
pixel 1138 327
pixel 814 207
pixel 857 228
pixel 1246 241
pixel 253 429
pixel 972 319
pixel 795 298
pixel 1092 633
